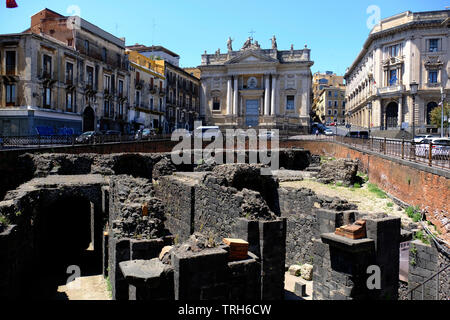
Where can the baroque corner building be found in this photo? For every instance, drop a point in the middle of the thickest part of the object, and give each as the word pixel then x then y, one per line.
pixel 257 88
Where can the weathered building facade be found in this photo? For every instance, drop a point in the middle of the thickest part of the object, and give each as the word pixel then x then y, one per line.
pixel 62 75
pixel 400 50
pixel 330 105
pixel 147 107
pixel 182 101
pixel 254 87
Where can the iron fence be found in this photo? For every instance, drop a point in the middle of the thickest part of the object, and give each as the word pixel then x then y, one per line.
pixel 433 155
pixel 36 141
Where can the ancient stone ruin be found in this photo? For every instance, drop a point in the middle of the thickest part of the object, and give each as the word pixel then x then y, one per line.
pixel 156 230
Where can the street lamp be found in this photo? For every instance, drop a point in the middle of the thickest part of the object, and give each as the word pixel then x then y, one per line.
pixel 413 87
pixel 442 111
pixel 369 107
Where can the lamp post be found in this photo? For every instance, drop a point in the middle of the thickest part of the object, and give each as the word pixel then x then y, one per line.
pixel 442 111
pixel 369 107
pixel 413 87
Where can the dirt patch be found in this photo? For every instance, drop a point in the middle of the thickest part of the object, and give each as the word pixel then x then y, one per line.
pixel 366 200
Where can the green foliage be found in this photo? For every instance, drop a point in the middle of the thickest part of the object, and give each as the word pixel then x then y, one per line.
pixel 420 235
pixel 339 184
pixel 414 213
pixel 18 213
pixel 4 220
pixel 413 250
pixel 177 239
pixel 363 176
pixel 356 185
pixel 435 115
pixel 389 204
pixel 109 286
pixel 377 191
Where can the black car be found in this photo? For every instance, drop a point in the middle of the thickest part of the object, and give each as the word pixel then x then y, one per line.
pixel 88 137
pixel 358 134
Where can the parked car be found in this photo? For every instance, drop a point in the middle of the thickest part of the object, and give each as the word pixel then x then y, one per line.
pixel 420 137
pixel 329 132
pixel 88 137
pixel 333 124
pixel 207 132
pixel 145 134
pixel 440 148
pixel 358 134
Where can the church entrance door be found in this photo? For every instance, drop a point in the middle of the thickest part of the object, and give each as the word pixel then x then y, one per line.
pixel 252 113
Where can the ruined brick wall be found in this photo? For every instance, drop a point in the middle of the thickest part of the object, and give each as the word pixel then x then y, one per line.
pixel 425 261
pixel 405 181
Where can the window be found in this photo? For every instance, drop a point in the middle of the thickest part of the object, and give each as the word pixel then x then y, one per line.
pixel 151 84
pixel 69 102
pixel 107 83
pixel 329 112
pixel 10 62
pixel 69 42
pixel 216 104
pixel 335 112
pixel 329 103
pixel 343 104
pixel 120 88
pixel 47 97
pixel 120 107
pixel 10 94
pixel 138 77
pixel 335 93
pixel 392 77
pixel 151 103
pixel 47 65
pixel 335 103
pixel 290 102
pixel 69 73
pixel 106 108
pixel 433 45
pixel 432 76
pixel 393 51
pixel 329 93
pixel 138 98
pixel 160 104
pixel 90 76
pixel 86 46
pixel 104 54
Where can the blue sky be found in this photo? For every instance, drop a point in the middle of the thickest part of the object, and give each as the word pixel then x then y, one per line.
pixel 334 30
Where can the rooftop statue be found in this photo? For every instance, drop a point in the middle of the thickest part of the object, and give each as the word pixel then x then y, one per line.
pixel 230 44
pixel 274 43
pixel 247 43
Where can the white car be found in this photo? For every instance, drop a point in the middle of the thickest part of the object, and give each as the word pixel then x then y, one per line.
pixel 440 148
pixel 207 132
pixel 328 132
pixel 420 137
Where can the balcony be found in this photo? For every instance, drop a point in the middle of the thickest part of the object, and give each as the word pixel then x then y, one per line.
pixel 391 90
pixel 10 69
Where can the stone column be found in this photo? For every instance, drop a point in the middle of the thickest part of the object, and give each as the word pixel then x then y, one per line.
pixel 266 97
pixel 229 106
pixel 400 111
pixel 235 97
pixel 272 101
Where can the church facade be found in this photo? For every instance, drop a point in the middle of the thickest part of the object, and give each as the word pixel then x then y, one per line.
pixel 257 88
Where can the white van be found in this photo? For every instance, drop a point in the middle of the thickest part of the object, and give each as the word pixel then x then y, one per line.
pixel 207 132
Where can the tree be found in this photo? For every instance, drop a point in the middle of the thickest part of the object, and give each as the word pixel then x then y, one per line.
pixel 435 115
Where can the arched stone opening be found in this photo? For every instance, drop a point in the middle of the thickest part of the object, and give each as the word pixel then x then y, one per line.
pixel 392 115
pixel 88 119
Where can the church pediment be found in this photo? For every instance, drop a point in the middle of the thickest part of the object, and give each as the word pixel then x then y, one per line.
pixel 251 57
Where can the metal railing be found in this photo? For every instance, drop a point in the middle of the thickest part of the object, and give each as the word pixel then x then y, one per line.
pixel 433 155
pixel 410 293
pixel 9 142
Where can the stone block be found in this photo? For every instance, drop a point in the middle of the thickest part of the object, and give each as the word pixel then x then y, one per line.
pixel 300 288
pixel 307 271
pixel 295 270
